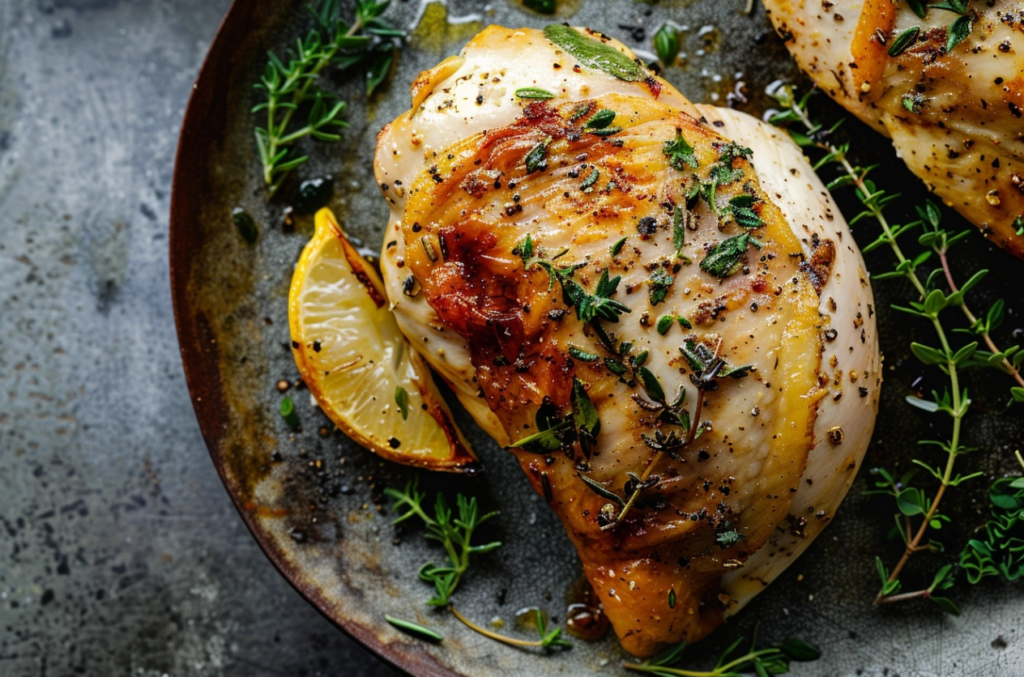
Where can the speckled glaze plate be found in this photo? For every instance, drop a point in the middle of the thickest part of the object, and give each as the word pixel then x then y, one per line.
pixel 313 499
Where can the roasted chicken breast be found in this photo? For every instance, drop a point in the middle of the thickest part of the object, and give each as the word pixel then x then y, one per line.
pixel 655 305
pixel 954 116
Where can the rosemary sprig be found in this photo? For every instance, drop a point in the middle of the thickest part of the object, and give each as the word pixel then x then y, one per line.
pixel 453 532
pixel 912 502
pixel 548 639
pixel 764 662
pixel 294 86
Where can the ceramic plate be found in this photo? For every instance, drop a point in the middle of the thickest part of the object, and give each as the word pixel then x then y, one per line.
pixel 313 499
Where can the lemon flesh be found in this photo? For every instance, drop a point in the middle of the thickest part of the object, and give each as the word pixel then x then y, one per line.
pixel 357 364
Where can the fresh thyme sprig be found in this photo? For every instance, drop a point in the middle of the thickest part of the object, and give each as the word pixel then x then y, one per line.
pixel 294 86
pixel 548 639
pixel 764 662
pixel 932 302
pixel 453 531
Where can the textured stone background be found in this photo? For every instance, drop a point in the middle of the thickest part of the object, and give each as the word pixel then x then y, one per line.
pixel 120 553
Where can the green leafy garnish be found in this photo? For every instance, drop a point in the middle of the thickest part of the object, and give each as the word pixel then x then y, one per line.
pixel 666 44
pixel 904 40
pixel 415 629
pixel 402 400
pixel 764 662
pixel 289 414
pixel 537 157
pixel 453 531
pixel 998 547
pixel 660 282
pixel 935 294
pixel 601 119
pixel 595 54
pixel 293 87
pixel 741 209
pixel 725 258
pixel 582 355
pixel 590 180
pixel 679 152
pixel 585 418
pixel 958 31
pixel 533 93
pixel 617 247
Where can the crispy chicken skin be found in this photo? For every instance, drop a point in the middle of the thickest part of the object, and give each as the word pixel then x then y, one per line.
pixel 954 118
pixel 638 205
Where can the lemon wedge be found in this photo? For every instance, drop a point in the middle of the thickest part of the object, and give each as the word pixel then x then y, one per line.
pixel 357 363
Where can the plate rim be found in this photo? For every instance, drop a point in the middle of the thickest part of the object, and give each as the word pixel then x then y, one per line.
pixel 202 378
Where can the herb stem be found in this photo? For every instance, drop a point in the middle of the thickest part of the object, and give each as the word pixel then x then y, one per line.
pixel 511 641
pixel 972 319
pixel 958 410
pixel 275 140
pixel 902 597
pixel 719 671
pixel 636 494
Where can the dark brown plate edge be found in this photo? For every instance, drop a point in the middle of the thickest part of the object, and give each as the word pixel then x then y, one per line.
pixel 204 122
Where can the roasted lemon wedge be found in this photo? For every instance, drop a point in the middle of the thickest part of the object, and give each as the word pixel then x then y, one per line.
pixel 358 365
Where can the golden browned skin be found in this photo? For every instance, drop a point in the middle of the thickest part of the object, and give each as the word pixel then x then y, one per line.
pixel 955 118
pixel 711 502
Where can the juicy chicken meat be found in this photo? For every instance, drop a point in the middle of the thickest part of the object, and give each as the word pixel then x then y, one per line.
pixel 536 248
pixel 954 118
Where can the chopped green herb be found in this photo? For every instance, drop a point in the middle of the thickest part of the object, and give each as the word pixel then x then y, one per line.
pixel 537 158
pixel 913 102
pixel 598 305
pixel 958 31
pixel 288 413
pixel 534 93
pixel 741 209
pixel 607 131
pixel 591 179
pixel 904 40
pixel 585 417
pixel 600 489
pixel 595 54
pixel 245 224
pixel 601 119
pixel 582 355
pixel 665 323
pixel 678 228
pixel 1018 223
pixel 666 44
pixel 402 400
pixel 615 367
pixel 672 598
pixel 660 282
pixel 725 258
pixel 617 247
pixel 728 538
pixel 415 629
pixel 679 152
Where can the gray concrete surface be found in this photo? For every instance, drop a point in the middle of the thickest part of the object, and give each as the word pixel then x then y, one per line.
pixel 120 553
